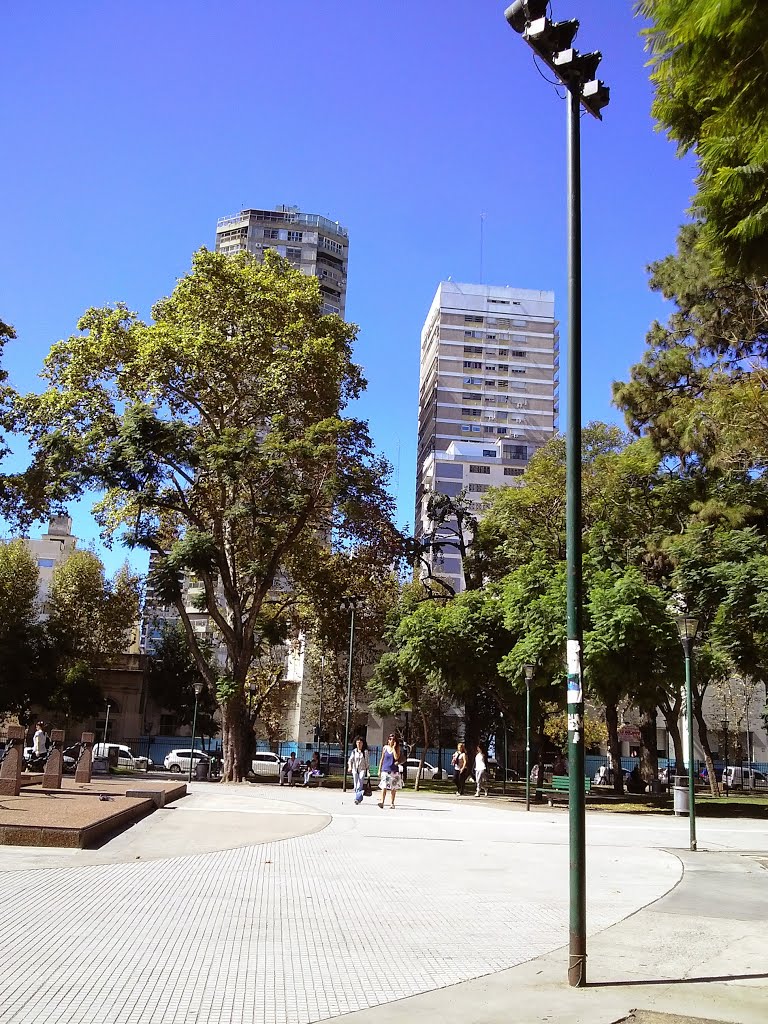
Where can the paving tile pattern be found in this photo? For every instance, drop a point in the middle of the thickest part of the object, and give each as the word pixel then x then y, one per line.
pixel 372 909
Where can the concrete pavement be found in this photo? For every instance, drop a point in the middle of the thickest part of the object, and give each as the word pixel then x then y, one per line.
pixel 455 909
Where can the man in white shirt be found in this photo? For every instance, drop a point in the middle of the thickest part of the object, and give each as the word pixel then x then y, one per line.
pixel 40 740
pixel 290 766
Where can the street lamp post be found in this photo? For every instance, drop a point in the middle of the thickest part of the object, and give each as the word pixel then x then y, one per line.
pixel 725 743
pixel 504 776
pixel 198 689
pixel 528 669
pixel 687 627
pixel 106 722
pixel 553 44
pixel 349 603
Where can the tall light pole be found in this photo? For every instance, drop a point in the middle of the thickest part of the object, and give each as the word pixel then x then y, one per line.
pixel 106 722
pixel 687 627
pixel 349 603
pixel 528 669
pixel 506 757
pixel 553 44
pixel 198 689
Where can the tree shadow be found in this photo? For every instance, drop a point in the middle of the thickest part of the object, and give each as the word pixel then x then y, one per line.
pixel 675 981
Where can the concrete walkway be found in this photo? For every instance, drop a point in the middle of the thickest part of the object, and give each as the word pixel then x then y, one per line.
pixel 376 914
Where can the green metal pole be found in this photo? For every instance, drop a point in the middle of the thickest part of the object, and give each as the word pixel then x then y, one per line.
pixel 349 695
pixel 527 744
pixel 577 963
pixel 506 759
pixel 194 727
pixel 689 715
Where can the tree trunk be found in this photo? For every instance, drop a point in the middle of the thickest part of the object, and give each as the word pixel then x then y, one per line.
pixel 425 727
pixel 471 727
pixel 673 728
pixel 704 740
pixel 614 747
pixel 649 757
pixel 235 729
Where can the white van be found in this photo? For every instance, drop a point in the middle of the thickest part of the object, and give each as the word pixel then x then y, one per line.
pixel 747 778
pixel 125 758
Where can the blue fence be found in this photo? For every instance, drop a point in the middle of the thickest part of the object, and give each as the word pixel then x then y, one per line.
pixel 158 747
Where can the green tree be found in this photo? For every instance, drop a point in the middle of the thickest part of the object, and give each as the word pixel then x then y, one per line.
pixel 173 674
pixel 700 391
pixel 710 70
pixel 90 620
pixel 217 434
pixel 25 653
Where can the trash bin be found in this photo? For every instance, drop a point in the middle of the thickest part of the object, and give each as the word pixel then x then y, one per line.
pixel 680 794
pixel 201 771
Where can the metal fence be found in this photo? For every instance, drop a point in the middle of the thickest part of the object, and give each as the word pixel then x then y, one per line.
pixel 331 754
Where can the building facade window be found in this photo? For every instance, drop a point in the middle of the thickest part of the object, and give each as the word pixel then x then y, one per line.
pixel 470 364
pixel 513 471
pixel 479 487
pixel 480 469
pixel 295 236
pixel 468 319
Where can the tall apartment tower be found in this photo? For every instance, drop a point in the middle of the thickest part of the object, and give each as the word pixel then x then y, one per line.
pixel 487 395
pixel 313 244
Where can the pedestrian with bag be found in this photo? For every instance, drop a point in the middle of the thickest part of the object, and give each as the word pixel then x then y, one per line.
pixel 360 768
pixel 460 768
pixel 389 772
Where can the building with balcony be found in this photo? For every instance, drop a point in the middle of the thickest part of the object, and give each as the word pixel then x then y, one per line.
pixel 313 244
pixel 488 385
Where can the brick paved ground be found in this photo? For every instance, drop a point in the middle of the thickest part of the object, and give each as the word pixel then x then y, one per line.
pixel 377 906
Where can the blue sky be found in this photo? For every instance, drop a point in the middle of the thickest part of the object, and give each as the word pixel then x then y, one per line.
pixel 128 129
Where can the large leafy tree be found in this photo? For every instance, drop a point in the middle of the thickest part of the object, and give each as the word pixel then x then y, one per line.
pixel 90 619
pixel 710 71
pixel 218 435
pixel 700 391
pixel 26 656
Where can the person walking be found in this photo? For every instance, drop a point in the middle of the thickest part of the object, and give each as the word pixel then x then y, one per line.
pixel 40 741
pixel 460 768
pixel 359 767
pixel 481 771
pixel 389 773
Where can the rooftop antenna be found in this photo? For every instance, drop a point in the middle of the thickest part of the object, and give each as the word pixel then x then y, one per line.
pixel 482 241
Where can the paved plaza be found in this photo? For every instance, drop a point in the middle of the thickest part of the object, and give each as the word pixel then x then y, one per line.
pixel 260 904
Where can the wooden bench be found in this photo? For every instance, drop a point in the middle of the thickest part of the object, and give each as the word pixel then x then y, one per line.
pixel 562 784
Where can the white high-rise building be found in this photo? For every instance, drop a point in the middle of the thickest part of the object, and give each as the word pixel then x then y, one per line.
pixel 487 395
pixel 317 246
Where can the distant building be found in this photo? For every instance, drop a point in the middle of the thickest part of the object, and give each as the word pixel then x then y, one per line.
pixel 488 385
pixel 51 549
pixel 313 244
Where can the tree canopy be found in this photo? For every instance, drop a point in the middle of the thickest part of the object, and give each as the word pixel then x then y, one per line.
pixel 710 72
pixel 700 391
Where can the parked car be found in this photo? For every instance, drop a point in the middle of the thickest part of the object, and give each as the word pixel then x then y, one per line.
pixel 747 778
pixel 266 762
pixel 179 760
pixel 496 771
pixel 428 772
pixel 125 758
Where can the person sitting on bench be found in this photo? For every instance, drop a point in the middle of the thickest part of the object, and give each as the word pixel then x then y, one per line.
pixel 290 766
pixel 313 769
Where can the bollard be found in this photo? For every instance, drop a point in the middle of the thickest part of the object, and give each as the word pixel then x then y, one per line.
pixel 84 761
pixel 10 769
pixel 54 765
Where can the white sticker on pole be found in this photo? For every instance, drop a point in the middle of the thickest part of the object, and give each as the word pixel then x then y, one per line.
pixel 573 656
